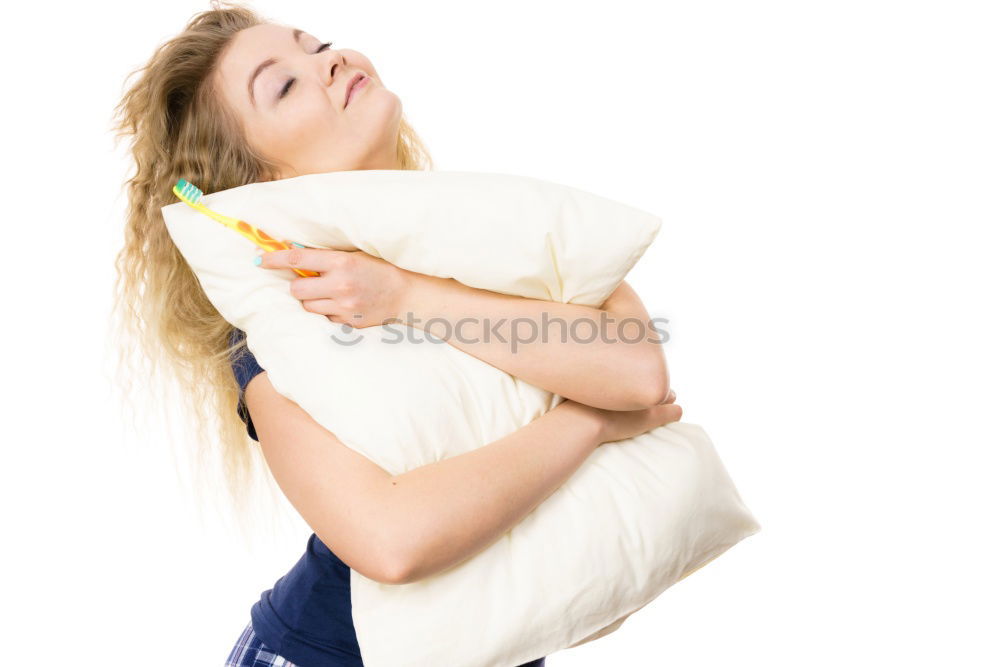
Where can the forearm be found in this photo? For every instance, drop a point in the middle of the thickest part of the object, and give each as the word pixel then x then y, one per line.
pixel 447 511
pixel 608 357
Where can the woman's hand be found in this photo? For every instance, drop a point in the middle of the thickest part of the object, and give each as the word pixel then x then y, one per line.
pixel 621 424
pixel 353 287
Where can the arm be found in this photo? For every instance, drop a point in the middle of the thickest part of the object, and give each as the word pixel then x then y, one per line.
pixel 399 529
pixel 623 369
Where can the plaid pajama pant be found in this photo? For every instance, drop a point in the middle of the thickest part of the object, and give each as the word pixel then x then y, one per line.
pixel 250 651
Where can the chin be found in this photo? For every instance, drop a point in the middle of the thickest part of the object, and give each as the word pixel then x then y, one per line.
pixel 382 102
pixel 382 114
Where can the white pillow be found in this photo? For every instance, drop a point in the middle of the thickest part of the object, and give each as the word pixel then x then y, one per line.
pixel 636 517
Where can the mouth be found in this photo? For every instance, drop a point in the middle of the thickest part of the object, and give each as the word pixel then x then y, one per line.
pixel 354 85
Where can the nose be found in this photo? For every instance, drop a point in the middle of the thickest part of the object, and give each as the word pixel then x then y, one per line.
pixel 333 67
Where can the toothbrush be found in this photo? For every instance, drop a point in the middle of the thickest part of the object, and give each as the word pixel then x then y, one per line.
pixel 191 195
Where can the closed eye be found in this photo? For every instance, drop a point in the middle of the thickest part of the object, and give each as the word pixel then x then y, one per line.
pixel 288 84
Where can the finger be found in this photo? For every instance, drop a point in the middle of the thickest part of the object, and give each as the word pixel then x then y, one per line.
pixel 317 287
pixel 321 306
pixel 311 259
pixel 671 397
pixel 344 318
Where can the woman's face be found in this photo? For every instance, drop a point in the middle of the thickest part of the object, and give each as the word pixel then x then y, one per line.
pixel 295 110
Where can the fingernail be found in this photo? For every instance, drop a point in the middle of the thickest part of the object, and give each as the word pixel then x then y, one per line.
pixel 297 245
pixel 257 260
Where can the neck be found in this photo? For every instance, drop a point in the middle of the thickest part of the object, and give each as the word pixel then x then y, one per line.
pixel 385 159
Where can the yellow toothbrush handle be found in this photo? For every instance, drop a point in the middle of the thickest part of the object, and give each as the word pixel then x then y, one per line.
pixel 269 244
pixel 258 236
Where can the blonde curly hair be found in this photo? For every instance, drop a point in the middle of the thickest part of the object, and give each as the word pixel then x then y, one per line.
pixel 179 127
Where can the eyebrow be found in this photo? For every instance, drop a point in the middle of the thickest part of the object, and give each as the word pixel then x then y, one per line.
pixel 263 66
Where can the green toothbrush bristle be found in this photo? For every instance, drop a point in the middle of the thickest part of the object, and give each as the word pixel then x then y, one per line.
pixel 188 191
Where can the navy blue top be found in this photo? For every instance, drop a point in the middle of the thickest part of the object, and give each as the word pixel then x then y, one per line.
pixel 306 617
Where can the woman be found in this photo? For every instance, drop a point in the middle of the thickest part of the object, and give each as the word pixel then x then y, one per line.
pixel 234 100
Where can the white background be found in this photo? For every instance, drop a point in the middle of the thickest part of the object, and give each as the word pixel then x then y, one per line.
pixel 827 175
